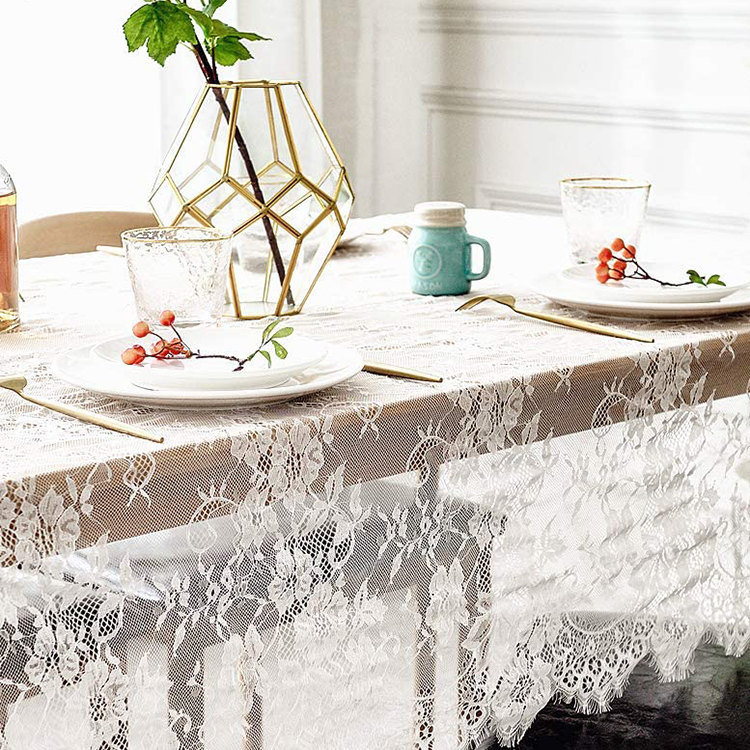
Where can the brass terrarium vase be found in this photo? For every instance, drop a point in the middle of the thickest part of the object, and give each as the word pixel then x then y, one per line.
pixel 253 159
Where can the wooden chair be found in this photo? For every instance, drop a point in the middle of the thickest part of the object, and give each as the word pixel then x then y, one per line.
pixel 77 232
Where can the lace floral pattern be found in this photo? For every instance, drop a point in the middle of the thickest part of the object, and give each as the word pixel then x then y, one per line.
pixel 385 564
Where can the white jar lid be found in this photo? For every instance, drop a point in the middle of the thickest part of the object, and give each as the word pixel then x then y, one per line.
pixel 439 214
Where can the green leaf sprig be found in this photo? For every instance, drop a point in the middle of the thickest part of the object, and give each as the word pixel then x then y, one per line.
pixel 696 278
pixel 271 336
pixel 161 25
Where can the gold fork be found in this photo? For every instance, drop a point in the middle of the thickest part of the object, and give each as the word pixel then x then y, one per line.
pixel 510 301
pixel 17 383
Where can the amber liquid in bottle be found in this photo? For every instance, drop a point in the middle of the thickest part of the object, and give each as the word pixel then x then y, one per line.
pixel 9 317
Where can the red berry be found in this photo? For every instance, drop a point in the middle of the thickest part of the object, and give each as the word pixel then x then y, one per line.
pixel 141 329
pixel 615 274
pixel 129 356
pixel 605 254
pixel 617 245
pixel 620 265
pixel 140 352
pixel 629 252
pixel 160 350
pixel 167 318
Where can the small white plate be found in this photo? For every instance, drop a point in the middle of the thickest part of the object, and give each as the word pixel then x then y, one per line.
pixel 549 286
pixel 583 279
pixel 80 369
pixel 214 374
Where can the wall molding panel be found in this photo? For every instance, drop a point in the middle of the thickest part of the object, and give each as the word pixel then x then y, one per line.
pixel 526 198
pixel 674 21
pixel 539 106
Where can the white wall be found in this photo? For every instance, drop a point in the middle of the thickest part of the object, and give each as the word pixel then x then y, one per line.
pixel 492 101
pixel 79 115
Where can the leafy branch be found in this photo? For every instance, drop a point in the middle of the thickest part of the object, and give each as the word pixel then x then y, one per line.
pixel 178 348
pixel 615 268
pixel 269 337
pixel 162 25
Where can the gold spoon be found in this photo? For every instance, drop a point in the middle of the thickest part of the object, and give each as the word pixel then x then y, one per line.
pixel 510 301
pixel 18 382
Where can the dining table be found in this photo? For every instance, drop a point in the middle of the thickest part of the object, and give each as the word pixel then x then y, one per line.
pixel 387 563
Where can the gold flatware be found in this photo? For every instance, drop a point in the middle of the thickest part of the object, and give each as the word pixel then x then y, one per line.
pixel 510 301
pixel 401 229
pixel 111 250
pixel 399 372
pixel 18 383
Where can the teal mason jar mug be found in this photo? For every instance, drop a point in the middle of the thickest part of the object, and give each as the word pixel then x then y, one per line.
pixel 440 250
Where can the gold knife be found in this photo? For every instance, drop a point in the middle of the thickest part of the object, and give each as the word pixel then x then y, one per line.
pixel 399 372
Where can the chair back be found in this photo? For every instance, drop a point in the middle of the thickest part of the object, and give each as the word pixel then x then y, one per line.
pixel 78 232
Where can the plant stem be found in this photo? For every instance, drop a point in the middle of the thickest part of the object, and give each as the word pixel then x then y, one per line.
pixel 211 77
pixel 642 273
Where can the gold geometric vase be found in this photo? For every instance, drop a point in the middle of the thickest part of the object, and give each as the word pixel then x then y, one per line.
pixel 254 160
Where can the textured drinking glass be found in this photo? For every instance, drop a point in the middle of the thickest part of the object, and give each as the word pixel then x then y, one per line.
pixel 183 269
pixel 599 209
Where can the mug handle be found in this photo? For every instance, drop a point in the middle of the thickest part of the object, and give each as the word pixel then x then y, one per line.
pixel 471 240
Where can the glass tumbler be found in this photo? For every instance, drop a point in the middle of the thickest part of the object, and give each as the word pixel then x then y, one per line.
pixel 599 209
pixel 183 269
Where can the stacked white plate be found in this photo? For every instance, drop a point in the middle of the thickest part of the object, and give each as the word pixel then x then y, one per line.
pixel 577 287
pixel 309 366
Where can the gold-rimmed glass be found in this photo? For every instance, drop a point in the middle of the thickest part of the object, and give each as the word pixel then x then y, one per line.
pixel 598 209
pixel 183 269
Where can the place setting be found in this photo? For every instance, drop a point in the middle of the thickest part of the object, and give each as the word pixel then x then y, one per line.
pixel 611 277
pixel 190 356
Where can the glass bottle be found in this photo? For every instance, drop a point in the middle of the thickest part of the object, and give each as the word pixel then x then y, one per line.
pixel 9 317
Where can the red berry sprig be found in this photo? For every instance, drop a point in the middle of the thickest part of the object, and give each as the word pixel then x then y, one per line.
pixel 615 268
pixel 162 348
pixel 176 348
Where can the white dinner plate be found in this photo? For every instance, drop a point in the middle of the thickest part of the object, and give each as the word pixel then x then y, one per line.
pixel 214 374
pixel 549 286
pixel 80 369
pixel 583 279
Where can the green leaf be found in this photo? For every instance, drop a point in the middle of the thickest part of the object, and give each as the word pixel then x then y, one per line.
pixel 267 330
pixel 161 26
pixel 283 333
pixel 266 355
pixel 204 22
pixel 281 352
pixel 715 279
pixel 695 277
pixel 220 30
pixel 212 6
pixel 229 50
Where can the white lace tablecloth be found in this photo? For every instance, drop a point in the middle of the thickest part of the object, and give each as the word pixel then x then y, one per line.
pixel 386 564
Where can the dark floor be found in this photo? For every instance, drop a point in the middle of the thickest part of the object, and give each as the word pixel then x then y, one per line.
pixel 710 711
